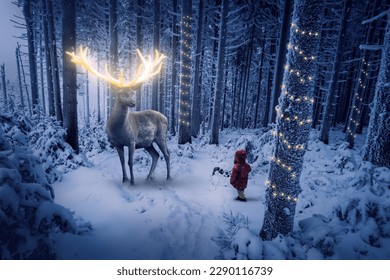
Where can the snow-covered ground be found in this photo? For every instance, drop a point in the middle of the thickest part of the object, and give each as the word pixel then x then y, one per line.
pixel 154 219
pixel 185 217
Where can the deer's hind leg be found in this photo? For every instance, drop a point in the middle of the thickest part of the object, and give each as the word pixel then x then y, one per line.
pixel 164 149
pixel 152 151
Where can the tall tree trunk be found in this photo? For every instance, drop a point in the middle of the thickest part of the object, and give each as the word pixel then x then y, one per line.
pixel 54 60
pixel 378 136
pixel 24 82
pixel 98 90
pixel 356 107
pixel 261 66
pixel 4 86
pixel 185 78
pixel 113 28
pixel 139 46
pixel 281 56
pixel 19 76
pixel 69 73
pixel 248 74
pixel 329 109
pixel 87 98
pixel 195 111
pixel 49 70
pixel 42 80
pixel 156 46
pixel 294 119
pixel 31 54
pixel 216 116
pixel 174 70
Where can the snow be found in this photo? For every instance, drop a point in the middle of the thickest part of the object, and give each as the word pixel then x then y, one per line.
pixel 155 219
pixel 343 211
pixel 340 214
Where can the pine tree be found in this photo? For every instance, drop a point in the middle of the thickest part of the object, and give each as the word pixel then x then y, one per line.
pixel 216 115
pixel 185 79
pixel 69 73
pixel 329 109
pixel 378 136
pixel 293 120
pixel 28 14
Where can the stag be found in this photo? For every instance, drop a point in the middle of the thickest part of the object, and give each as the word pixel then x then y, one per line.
pixel 135 130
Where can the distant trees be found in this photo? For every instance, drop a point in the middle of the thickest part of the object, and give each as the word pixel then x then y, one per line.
pixel 200 91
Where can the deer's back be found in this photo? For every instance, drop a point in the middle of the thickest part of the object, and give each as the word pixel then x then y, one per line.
pixel 147 126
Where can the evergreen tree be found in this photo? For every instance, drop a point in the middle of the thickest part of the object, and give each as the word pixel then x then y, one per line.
pixel 378 137
pixel 185 78
pixel 216 115
pixel 294 119
pixel 69 73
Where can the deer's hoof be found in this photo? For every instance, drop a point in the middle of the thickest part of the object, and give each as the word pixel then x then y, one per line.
pixel 125 180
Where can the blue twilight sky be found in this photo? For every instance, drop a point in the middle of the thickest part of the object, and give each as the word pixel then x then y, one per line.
pixel 7 33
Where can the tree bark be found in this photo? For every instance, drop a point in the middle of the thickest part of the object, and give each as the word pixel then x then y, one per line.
pixel 216 116
pixel 378 136
pixel 328 114
pixel 293 120
pixel 31 55
pixel 172 128
pixel 54 60
pixel 281 56
pixel 49 70
pixel 4 86
pixel 69 73
pixel 195 122
pixel 185 79
pixel 19 76
pixel 113 30
pixel 156 46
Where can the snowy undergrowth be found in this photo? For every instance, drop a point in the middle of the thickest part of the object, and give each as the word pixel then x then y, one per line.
pixel 343 211
pixel 47 141
pixel 29 219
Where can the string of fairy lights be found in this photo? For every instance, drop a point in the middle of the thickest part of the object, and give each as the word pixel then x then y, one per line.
pixel 287 117
pixel 185 77
pixel 352 132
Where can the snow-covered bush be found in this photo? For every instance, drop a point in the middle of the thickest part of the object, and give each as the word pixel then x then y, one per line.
pixel 93 139
pixel 29 218
pixel 344 158
pixel 236 241
pixel 47 141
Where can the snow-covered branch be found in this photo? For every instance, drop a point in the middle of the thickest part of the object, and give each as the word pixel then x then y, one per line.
pixel 371 47
pixel 375 18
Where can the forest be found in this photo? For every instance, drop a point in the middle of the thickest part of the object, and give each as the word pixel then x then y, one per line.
pixel 301 85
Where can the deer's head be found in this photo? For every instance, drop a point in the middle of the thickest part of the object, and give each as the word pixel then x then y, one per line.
pixel 147 69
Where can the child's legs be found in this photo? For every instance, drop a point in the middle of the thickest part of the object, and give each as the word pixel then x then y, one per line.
pixel 241 194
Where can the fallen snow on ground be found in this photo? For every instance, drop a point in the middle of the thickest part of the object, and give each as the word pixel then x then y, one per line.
pixel 154 219
pixel 195 215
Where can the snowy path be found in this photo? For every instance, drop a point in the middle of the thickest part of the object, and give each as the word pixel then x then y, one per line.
pixel 155 219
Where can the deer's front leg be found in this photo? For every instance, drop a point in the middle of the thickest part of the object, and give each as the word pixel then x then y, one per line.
pixel 121 155
pixel 131 157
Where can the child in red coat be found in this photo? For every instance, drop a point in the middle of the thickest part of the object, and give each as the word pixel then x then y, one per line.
pixel 239 177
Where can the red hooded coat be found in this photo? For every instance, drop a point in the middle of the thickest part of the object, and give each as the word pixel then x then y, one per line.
pixel 241 169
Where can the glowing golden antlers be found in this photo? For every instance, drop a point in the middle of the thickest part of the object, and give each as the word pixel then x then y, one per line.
pixel 146 69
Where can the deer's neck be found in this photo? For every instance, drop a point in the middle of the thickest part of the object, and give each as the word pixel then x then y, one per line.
pixel 118 117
